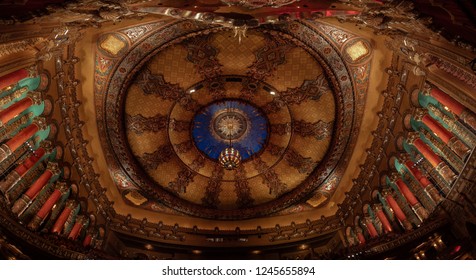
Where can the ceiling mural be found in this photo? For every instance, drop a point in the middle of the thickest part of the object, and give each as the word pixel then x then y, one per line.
pixel 184 92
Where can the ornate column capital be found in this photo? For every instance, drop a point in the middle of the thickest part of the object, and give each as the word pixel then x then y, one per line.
pixel 394 177
pixel 403 158
pixel 41 123
pixel 387 191
pixel 62 187
pixel 36 96
pixel 412 137
pixel 53 167
pixel 377 207
pixel 71 204
pixel 47 146
pixel 426 89
pixel 419 113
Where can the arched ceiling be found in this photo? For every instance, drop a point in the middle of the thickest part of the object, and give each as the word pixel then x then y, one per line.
pixel 156 99
pixel 146 83
pixel 300 89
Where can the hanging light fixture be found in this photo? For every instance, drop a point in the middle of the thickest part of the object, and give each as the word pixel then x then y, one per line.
pixel 230 157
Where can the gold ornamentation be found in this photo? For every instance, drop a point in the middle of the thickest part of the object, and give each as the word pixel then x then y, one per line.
pixel 112 45
pixel 458 148
pixel 7 183
pixel 15 95
pixel 463 134
pixel 420 211
pixel 20 205
pixel 14 126
pixel 357 50
pixel 5 152
pixel 446 172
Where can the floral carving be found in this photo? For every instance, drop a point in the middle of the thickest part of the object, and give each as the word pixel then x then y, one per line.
pixel 150 161
pixel 275 150
pixel 156 85
pixel 302 164
pixel 179 126
pixel 213 189
pixel 183 147
pixel 276 187
pixel 179 185
pixel 269 57
pixel 140 124
pixel 319 130
pixel 308 90
pixel 242 188
pixel 204 56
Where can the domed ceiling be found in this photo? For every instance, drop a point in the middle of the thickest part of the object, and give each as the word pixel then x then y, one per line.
pixel 170 99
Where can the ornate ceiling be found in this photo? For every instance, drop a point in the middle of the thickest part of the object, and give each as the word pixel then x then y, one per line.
pixel 148 94
pixel 163 94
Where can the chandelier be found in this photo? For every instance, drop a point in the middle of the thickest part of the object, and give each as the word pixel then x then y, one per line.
pixel 230 157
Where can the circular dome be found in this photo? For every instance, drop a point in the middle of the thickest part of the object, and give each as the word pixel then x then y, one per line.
pixel 188 99
pixel 230 123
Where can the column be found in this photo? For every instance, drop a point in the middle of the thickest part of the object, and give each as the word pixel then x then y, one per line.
pixel 11 145
pixel 442 133
pixel 416 206
pixel 22 203
pixel 397 210
pixel 452 105
pixel 11 79
pixel 68 209
pixel 387 227
pixel 38 219
pixel 458 129
pixel 446 173
pixel 424 182
pixel 20 106
pixel 370 227
pixel 81 222
pixel 88 239
pixel 360 235
pixel 12 96
pixel 15 176
pixel 13 126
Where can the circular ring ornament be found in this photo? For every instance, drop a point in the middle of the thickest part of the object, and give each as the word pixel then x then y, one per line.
pixel 111 127
pixel 234 123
